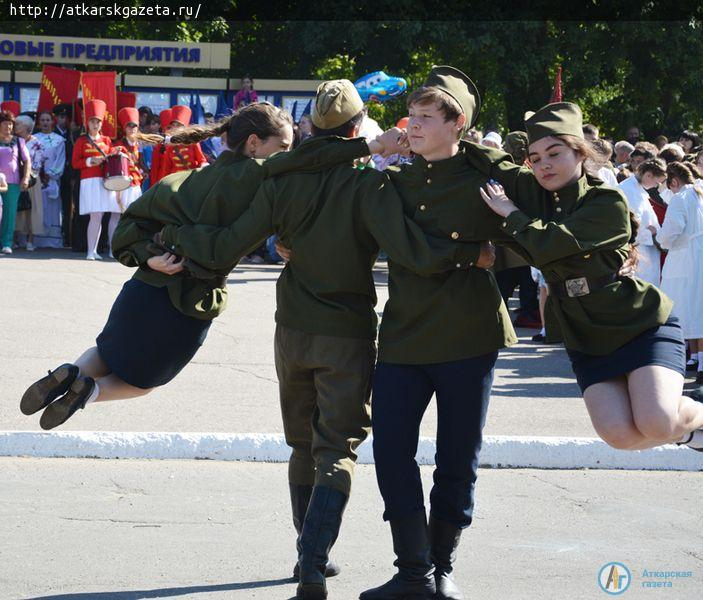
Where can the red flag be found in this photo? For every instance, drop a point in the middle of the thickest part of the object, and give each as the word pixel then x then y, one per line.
pixel 101 85
pixel 58 86
pixel 556 92
pixel 126 100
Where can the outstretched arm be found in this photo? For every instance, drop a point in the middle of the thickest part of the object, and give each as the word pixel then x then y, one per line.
pixel 601 222
pixel 216 247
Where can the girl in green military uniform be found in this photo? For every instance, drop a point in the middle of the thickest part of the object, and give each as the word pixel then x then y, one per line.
pixel 162 315
pixel 625 346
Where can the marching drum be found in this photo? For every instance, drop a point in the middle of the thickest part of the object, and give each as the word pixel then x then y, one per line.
pixel 117 173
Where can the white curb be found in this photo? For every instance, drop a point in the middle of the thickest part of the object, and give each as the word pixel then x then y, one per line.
pixel 498 451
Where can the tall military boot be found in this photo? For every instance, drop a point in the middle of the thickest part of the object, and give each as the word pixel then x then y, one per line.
pixel 444 540
pixel 299 500
pixel 414 579
pixel 320 530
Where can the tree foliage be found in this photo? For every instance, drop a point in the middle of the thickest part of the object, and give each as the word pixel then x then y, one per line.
pixel 643 73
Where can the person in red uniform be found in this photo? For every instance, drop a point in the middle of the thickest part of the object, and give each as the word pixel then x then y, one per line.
pixel 128 118
pixel 89 154
pixel 160 149
pixel 181 157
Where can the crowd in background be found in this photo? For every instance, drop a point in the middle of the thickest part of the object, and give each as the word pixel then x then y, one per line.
pixel 40 183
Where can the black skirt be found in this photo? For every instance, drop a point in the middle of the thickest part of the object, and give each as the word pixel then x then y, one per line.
pixel 146 341
pixel 663 346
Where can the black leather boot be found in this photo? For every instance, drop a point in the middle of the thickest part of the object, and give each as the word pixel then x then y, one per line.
pixel 320 530
pixel 444 540
pixel 299 500
pixel 414 579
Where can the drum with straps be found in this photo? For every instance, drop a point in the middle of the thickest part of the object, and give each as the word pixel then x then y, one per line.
pixel 117 176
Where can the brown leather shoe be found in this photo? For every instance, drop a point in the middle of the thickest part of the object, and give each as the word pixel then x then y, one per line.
pixel 61 410
pixel 43 392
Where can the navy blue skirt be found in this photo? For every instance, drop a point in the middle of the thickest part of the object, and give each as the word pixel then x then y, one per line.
pixel 663 346
pixel 146 341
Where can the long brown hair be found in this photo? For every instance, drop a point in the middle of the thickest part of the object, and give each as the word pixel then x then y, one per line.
pixel 682 172
pixel 585 149
pixel 261 119
pixel 590 156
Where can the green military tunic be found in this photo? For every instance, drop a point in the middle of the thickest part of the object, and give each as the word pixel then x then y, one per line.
pixel 214 195
pixel 583 230
pixel 334 221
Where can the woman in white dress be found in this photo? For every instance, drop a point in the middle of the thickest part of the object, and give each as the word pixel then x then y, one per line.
pixel 89 154
pixel 54 149
pixel 682 235
pixel 30 222
pixel 651 173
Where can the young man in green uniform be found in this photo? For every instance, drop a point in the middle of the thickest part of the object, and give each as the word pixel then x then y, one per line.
pixel 335 220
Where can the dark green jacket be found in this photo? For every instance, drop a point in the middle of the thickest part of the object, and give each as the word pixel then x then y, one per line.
pixel 214 195
pixel 334 221
pixel 447 316
pixel 582 230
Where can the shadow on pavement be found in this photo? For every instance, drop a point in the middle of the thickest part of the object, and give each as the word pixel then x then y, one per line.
pixel 167 592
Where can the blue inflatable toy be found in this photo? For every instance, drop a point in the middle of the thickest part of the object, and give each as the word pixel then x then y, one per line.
pixel 379 87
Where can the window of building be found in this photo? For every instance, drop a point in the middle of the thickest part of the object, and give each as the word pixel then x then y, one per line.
pixel 156 101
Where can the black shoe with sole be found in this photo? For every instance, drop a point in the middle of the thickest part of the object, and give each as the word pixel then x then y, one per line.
pixel 415 577
pixel 299 500
pixel 538 337
pixel 444 541
pixel 43 392
pixel 61 410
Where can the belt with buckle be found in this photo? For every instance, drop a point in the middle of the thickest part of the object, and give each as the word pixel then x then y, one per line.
pixel 579 286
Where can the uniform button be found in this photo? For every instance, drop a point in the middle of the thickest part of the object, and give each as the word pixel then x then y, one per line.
pixel 458 265
pixel 556 198
pixel 455 235
pixel 429 180
pixel 514 232
pixel 587 256
pixel 471 264
pixel 558 208
pixel 505 223
pixel 429 165
pixel 422 207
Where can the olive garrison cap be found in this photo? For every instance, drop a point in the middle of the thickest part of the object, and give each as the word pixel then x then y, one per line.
pixel 335 103
pixel 458 85
pixel 516 144
pixel 560 118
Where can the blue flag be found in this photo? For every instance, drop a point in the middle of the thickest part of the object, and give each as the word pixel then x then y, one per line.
pixel 198 118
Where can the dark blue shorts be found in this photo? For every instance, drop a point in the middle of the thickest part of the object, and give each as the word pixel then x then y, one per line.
pixel 663 346
pixel 146 340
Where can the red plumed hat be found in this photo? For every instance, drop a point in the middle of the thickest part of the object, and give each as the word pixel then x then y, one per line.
pixel 95 109
pixel 181 114
pixel 128 114
pixel 165 118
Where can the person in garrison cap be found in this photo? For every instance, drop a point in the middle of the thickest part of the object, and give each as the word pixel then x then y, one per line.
pixel 439 335
pixel 625 345
pixel 335 220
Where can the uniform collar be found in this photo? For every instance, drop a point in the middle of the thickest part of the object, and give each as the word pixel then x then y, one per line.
pixel 568 196
pixel 447 166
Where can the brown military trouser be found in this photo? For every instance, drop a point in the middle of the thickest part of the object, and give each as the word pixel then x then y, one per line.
pixel 325 384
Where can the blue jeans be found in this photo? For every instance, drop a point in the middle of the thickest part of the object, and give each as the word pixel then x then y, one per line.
pixel 401 394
